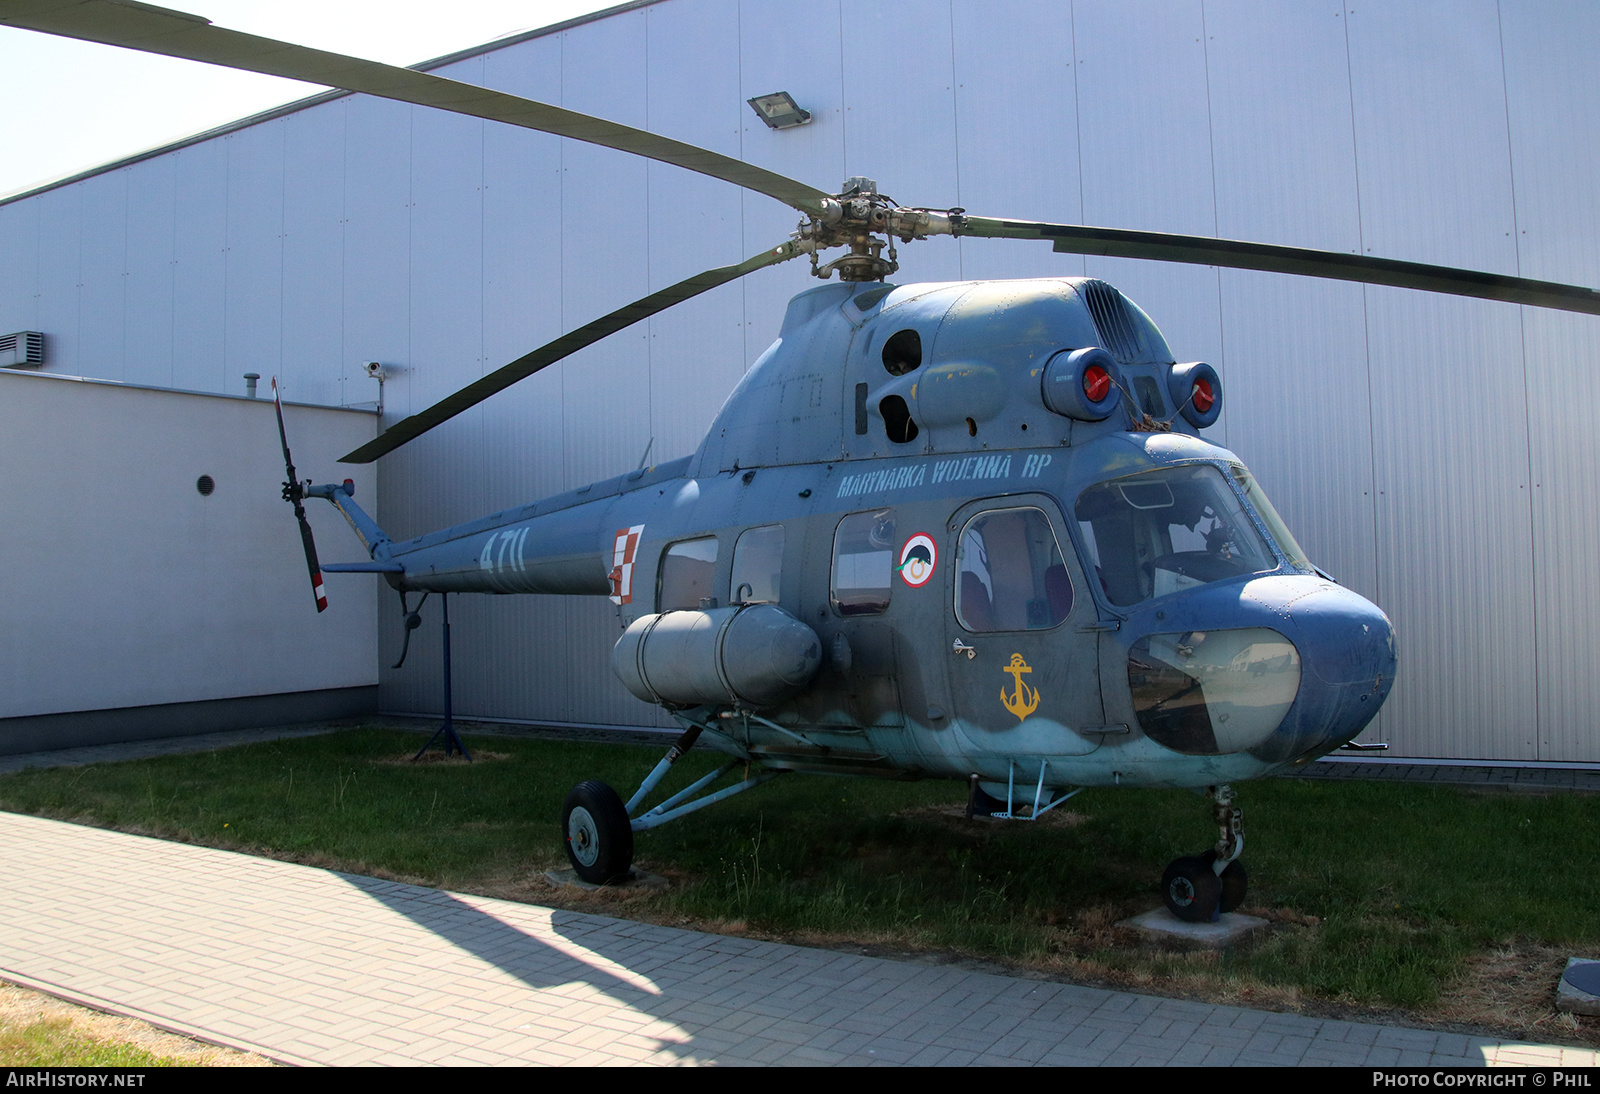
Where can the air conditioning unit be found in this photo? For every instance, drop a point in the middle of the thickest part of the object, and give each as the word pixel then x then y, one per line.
pixel 24 349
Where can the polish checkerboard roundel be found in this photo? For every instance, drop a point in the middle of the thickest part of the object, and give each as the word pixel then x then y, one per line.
pixel 917 560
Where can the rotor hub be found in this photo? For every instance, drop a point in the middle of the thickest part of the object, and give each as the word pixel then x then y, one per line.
pixel 867 222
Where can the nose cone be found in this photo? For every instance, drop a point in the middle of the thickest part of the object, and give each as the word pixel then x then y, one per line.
pixel 1347 654
pixel 1281 668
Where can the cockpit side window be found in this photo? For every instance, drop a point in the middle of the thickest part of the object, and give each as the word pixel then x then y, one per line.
pixel 1269 516
pixel 1010 575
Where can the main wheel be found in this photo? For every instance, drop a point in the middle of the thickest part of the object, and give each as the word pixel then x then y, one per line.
pixel 1234 881
pixel 599 839
pixel 1190 889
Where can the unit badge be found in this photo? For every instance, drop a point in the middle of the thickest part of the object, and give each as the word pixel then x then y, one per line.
pixel 917 560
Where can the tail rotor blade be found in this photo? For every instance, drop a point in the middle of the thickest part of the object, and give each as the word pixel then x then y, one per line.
pixel 288 463
pixel 311 564
pixel 294 492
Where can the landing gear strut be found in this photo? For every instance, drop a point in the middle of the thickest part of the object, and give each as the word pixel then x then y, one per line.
pixel 1200 888
pixel 598 825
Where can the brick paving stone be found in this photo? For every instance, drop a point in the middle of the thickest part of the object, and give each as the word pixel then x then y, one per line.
pixel 1265 1059
pixel 1188 1054
pixel 311 966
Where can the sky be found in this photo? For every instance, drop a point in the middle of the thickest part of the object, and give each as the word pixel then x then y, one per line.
pixel 67 105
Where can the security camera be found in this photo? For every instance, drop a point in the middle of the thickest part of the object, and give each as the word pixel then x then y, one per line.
pixel 374 370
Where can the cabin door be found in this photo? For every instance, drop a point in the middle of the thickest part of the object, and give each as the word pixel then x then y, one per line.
pixel 1021 649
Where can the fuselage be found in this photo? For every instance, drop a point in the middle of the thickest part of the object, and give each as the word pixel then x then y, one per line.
pixel 995 585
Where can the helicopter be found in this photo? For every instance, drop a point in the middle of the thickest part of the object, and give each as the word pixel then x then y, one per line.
pixel 965 530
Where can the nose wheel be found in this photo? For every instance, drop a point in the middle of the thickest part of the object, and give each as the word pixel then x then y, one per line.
pixel 1199 888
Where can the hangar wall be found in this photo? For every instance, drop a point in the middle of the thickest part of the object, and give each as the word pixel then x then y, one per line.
pixel 134 605
pixel 1421 447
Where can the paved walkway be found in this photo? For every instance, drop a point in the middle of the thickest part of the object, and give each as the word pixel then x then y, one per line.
pixel 308 966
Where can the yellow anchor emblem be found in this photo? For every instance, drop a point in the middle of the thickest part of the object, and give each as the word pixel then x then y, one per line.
pixel 1026 700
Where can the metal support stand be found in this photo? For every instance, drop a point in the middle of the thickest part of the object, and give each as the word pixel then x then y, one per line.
pixel 452 743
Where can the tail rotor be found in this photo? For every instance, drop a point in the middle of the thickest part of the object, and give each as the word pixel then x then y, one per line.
pixel 294 492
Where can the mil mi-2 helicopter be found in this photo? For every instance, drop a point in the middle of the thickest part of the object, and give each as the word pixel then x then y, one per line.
pixel 963 530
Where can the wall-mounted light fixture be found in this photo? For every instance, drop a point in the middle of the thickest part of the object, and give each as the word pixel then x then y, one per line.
pixel 779 110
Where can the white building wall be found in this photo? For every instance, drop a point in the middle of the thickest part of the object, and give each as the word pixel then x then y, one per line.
pixel 124 586
pixel 1425 450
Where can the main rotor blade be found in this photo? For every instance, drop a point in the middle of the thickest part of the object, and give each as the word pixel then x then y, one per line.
pixel 501 378
pixel 1236 254
pixel 178 34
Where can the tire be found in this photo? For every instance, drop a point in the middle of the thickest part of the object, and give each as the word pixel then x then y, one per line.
pixel 594 826
pixel 1235 882
pixel 1191 891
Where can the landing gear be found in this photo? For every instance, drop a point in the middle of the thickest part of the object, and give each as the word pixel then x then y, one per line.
pixel 1197 889
pixel 1234 882
pixel 598 826
pixel 599 837
pixel 1190 889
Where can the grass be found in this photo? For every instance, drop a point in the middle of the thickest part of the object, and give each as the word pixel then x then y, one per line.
pixel 1381 895
pixel 38 1031
pixel 53 1042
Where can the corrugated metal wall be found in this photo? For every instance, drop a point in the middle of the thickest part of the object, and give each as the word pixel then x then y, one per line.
pixel 1430 452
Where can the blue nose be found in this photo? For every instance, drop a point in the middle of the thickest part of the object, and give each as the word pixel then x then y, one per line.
pixel 1348 663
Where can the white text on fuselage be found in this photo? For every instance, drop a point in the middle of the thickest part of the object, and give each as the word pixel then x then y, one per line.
pixel 504 556
pixel 957 470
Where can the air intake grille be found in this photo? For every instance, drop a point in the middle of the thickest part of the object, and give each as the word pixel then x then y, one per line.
pixel 1110 313
pixel 24 349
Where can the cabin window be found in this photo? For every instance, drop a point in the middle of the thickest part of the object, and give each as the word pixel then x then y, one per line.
pixel 1164 531
pixel 686 571
pixel 757 564
pixel 1010 575
pixel 863 563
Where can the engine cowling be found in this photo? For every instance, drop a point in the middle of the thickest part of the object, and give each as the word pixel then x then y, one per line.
pixel 752 656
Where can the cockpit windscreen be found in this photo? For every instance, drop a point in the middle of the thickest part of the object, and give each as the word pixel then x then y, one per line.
pixel 1164 531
